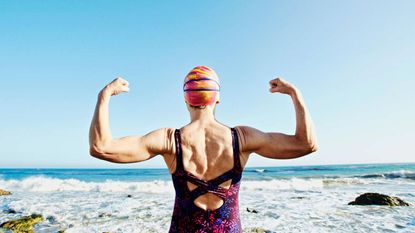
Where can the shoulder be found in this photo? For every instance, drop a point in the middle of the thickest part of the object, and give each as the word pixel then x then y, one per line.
pixel 250 137
pixel 243 133
pixel 161 140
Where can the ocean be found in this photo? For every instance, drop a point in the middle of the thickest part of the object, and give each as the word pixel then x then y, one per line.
pixel 286 199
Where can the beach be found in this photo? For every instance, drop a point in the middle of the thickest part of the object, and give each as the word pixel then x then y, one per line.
pixel 274 199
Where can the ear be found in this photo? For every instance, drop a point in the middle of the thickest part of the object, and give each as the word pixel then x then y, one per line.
pixel 217 98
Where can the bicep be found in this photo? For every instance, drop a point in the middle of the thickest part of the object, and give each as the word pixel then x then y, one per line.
pixel 131 149
pixel 271 145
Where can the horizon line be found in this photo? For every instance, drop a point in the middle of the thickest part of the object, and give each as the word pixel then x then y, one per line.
pixel 129 168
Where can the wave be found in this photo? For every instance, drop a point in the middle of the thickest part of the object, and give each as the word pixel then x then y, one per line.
pixel 44 183
pixel 401 174
pixel 49 184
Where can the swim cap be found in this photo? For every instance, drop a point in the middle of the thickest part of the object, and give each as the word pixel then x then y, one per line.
pixel 201 86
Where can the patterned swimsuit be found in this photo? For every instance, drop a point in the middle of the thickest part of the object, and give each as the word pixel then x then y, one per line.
pixel 188 217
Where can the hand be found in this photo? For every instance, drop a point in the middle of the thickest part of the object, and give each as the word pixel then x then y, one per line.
pixel 281 86
pixel 116 87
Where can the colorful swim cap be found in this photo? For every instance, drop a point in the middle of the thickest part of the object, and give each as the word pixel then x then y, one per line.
pixel 201 86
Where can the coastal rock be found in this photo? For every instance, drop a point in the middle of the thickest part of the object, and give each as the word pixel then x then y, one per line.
pixel 10 211
pixel 256 230
pixel 4 192
pixel 102 215
pixel 23 225
pixel 252 210
pixel 378 199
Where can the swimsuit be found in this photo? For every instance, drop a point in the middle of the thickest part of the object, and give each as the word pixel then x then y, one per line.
pixel 188 217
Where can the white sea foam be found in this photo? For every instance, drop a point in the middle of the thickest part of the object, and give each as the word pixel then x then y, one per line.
pixel 283 205
pixel 47 184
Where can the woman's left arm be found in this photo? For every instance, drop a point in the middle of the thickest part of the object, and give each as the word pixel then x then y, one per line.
pixel 128 149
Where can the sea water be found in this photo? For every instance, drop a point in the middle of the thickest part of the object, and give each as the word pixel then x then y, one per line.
pixel 285 199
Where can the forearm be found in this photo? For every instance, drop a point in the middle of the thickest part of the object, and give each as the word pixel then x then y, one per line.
pixel 304 131
pixel 99 132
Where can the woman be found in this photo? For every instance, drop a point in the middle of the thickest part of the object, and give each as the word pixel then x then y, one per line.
pixel 205 158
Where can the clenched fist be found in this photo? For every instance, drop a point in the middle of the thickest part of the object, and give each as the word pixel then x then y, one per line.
pixel 281 86
pixel 116 87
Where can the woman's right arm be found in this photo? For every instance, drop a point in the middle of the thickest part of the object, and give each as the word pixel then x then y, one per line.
pixel 278 145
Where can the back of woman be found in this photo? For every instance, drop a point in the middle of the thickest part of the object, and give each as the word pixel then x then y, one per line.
pixel 206 178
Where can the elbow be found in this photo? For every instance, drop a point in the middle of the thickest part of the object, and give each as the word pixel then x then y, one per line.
pixel 96 152
pixel 313 148
pixel 310 147
pixel 102 154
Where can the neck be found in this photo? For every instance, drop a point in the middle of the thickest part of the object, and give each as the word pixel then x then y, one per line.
pixel 202 115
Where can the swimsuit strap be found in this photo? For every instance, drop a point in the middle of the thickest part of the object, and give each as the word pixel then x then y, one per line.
pixel 179 157
pixel 235 145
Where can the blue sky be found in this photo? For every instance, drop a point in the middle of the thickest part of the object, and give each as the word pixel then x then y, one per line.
pixel 354 61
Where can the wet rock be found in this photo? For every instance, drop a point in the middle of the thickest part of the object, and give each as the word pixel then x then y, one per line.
pixel 102 215
pixel 256 230
pixel 4 192
pixel 23 225
pixel 251 210
pixel 52 219
pixel 378 199
pixel 299 197
pixel 9 211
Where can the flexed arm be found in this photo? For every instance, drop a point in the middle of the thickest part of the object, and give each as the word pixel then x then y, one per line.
pixel 278 145
pixel 126 149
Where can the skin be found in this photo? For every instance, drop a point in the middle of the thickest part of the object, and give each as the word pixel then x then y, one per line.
pixel 206 143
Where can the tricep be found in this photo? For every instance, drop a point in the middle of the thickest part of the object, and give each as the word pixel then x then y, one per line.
pixel 273 145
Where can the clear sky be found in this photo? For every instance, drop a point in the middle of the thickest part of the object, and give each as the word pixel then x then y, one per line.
pixel 354 61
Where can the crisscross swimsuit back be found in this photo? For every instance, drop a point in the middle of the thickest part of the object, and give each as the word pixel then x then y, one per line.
pixel 187 216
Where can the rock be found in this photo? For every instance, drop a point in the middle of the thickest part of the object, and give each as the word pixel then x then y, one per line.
pixel 52 219
pixel 4 192
pixel 10 211
pixel 256 230
pixel 24 224
pixel 102 215
pixel 378 199
pixel 251 210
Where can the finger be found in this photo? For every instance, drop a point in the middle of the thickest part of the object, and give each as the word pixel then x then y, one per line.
pixel 125 89
pixel 272 81
pixel 274 84
pixel 275 89
pixel 275 81
pixel 123 82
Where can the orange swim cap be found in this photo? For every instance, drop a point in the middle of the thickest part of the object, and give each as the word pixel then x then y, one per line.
pixel 201 86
